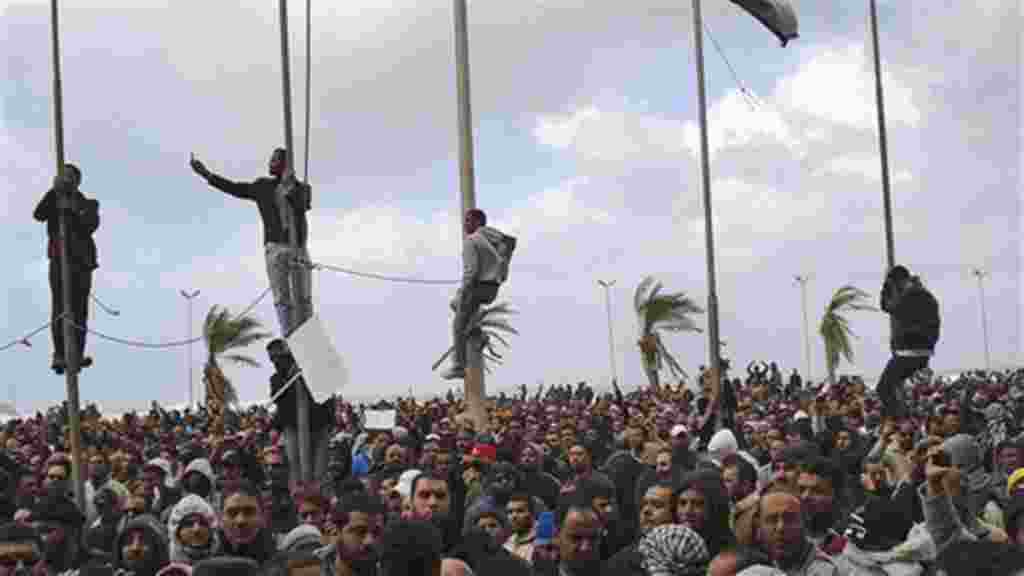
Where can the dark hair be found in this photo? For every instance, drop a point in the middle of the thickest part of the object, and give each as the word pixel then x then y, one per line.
pixel 477 214
pixel 898 273
pixel 745 471
pixel 364 502
pixel 410 548
pixel 825 468
pixel 716 531
pixel 427 476
pixel 243 487
pixel 522 497
pixel 574 501
pixel 16 532
pixel 981 557
pixel 76 170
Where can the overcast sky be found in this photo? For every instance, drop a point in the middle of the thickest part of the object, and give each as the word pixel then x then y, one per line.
pixel 586 149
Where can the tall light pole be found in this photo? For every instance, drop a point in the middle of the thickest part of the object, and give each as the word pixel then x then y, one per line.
pixel 981 275
pixel 883 140
pixel 611 338
pixel 189 296
pixel 473 382
pixel 802 281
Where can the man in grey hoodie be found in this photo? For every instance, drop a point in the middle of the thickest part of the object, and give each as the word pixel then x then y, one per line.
pixel 484 266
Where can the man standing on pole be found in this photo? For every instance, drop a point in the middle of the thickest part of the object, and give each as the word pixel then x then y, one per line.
pixel 915 331
pixel 83 221
pixel 288 277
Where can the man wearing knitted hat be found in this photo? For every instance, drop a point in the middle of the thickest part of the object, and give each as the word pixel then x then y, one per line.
pixel 915 331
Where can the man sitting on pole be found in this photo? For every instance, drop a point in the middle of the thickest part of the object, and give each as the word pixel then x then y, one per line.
pixel 83 220
pixel 283 382
pixel 485 257
pixel 283 268
pixel 915 331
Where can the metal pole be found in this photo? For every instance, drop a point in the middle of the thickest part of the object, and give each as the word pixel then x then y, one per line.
pixel 705 170
pixel 301 398
pixel 65 205
pixel 883 141
pixel 473 384
pixel 802 280
pixel 611 338
pixel 309 74
pixel 981 275
pixel 191 387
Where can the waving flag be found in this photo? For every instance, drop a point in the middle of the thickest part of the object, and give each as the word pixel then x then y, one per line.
pixel 776 15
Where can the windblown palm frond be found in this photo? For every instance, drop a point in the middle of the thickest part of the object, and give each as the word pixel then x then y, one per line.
pixel 492 321
pixel 835 328
pixel 658 312
pixel 223 333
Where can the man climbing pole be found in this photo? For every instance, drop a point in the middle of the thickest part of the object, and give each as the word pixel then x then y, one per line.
pixel 83 220
pixel 284 382
pixel 915 331
pixel 281 207
pixel 485 257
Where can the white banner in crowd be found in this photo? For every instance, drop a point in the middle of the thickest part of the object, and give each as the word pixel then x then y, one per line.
pixel 379 419
pixel 323 368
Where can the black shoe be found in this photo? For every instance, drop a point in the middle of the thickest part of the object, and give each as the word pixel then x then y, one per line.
pixel 86 362
pixel 58 365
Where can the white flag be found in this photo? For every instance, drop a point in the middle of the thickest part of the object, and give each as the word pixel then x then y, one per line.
pixel 776 15
pixel 323 368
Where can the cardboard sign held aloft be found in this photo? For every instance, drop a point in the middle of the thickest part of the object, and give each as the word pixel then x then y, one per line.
pixel 379 419
pixel 323 368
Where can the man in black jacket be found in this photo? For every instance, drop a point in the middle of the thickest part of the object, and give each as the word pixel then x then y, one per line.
pixel 281 208
pixel 287 374
pixel 83 221
pixel 915 331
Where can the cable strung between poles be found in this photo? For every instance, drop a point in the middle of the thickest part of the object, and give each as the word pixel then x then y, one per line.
pixel 24 339
pixel 370 275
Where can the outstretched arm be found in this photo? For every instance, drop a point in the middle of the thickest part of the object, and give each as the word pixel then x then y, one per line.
pixel 46 207
pixel 237 189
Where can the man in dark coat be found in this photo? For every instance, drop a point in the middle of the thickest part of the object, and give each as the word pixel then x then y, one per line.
pixel 915 331
pixel 83 220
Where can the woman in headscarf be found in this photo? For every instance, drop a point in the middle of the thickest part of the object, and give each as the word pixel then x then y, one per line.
pixel 673 550
pixel 191 531
pixel 702 505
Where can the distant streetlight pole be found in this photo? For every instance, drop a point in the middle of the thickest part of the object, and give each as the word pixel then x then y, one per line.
pixel 981 275
pixel 611 338
pixel 802 281
pixel 189 296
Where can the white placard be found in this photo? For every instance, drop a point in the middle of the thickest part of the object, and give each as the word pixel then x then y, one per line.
pixel 323 368
pixel 379 419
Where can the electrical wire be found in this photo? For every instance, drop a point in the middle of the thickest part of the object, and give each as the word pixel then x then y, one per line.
pixel 24 340
pixel 751 101
pixel 370 275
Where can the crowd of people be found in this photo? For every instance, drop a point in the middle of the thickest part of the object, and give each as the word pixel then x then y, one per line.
pixel 772 476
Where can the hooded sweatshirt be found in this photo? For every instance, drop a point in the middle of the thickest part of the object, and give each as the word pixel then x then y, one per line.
pixel 480 259
pixel 157 542
pixel 189 505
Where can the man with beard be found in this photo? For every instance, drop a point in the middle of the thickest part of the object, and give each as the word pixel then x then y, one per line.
pixel 283 204
pixel 244 524
pixel 579 541
pixel 58 521
pixel 781 540
pixel 432 501
pixel 625 470
pixel 501 481
pixel 359 518
pixel 822 490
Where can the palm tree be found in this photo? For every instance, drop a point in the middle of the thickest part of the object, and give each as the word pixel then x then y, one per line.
pixel 657 313
pixel 492 322
pixel 222 334
pixel 835 328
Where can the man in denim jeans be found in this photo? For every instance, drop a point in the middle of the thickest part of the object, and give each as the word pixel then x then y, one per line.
pixel 282 208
